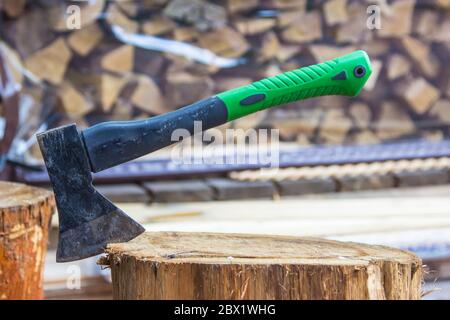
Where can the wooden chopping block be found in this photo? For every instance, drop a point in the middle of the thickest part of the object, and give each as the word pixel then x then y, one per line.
pixel 182 265
pixel 25 214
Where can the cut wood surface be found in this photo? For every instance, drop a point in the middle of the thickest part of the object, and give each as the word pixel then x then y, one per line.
pixel 177 265
pixel 24 219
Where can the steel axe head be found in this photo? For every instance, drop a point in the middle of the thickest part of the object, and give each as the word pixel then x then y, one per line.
pixel 87 220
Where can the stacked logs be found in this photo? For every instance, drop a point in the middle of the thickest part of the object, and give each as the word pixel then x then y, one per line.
pixel 87 75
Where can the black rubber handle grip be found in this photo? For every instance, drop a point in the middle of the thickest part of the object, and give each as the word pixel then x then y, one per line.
pixel 111 143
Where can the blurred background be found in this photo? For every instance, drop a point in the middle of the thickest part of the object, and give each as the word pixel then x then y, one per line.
pixel 375 168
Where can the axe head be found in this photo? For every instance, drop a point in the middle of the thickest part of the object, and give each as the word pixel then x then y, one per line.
pixel 87 220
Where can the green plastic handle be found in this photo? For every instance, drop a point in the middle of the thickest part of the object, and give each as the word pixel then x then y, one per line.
pixel 343 76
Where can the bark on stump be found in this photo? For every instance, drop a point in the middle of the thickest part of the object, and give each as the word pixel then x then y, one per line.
pixel 178 265
pixel 25 214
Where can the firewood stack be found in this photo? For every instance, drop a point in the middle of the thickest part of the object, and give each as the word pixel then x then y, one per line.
pixel 87 75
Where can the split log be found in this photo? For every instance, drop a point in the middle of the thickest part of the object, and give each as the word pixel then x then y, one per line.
pixel 254 26
pixel 181 265
pixel 185 34
pixel 377 65
pixel 335 12
pixel 110 87
pixel 334 127
pixel 186 88
pixel 202 14
pixel 441 110
pixel 119 60
pixel 286 18
pixel 28 34
pixel 427 24
pixel 397 67
pixel 234 6
pixel 225 42
pixel 420 52
pixel 116 17
pixel 419 94
pixel 75 104
pixel 322 52
pixel 361 114
pixel 147 96
pixel 84 40
pixel 393 121
pixel 270 47
pixel 25 214
pixel 158 25
pixel 355 29
pixel 284 4
pixel 308 29
pixel 51 62
pixel 399 20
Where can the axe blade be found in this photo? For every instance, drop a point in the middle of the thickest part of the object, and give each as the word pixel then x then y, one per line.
pixel 87 220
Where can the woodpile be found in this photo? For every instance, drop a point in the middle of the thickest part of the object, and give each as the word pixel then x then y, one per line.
pixel 93 76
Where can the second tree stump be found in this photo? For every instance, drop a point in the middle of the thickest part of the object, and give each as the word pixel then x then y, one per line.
pixel 177 265
pixel 25 214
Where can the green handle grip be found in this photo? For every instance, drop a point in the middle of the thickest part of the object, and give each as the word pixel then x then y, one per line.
pixel 344 76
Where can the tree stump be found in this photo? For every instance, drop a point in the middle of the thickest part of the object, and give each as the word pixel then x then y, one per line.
pixel 179 265
pixel 24 219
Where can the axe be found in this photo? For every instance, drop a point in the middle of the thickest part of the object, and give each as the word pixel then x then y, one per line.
pixel 88 221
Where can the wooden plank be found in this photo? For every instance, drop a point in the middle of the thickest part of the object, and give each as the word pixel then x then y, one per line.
pixel 127 192
pixel 422 177
pixel 227 189
pixel 363 182
pixel 306 186
pixel 179 191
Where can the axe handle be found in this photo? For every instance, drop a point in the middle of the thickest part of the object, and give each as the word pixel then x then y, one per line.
pixel 112 143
